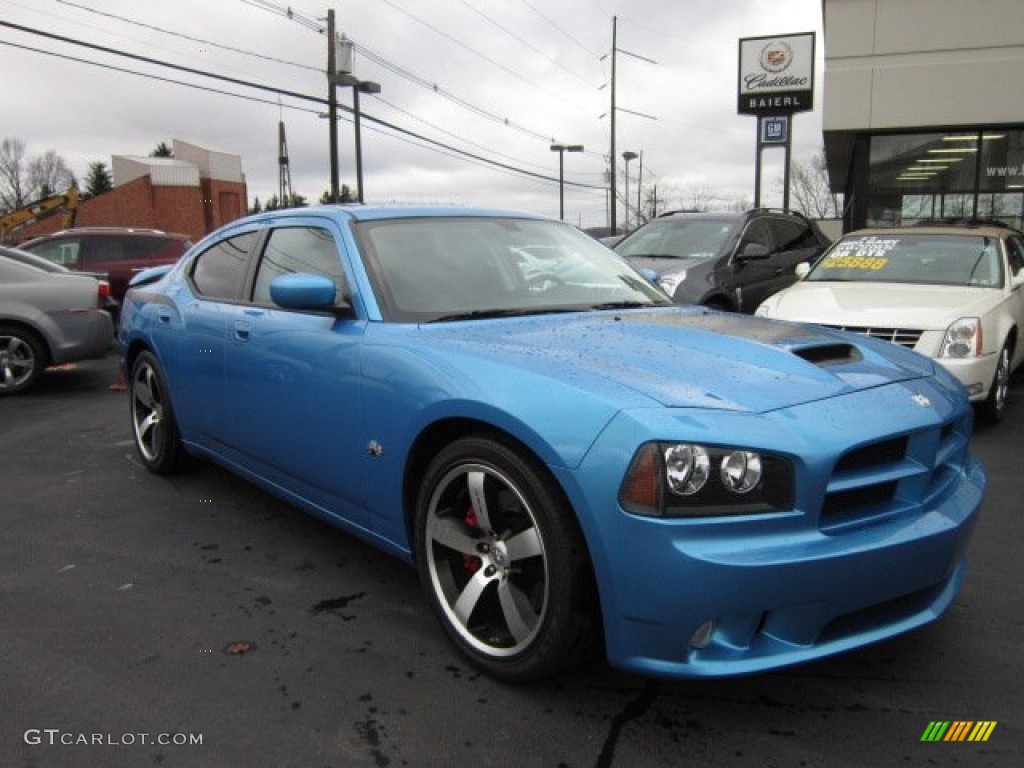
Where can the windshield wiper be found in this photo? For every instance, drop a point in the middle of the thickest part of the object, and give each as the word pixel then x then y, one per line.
pixel 483 314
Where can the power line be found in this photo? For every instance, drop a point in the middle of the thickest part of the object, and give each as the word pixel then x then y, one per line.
pixel 555 26
pixel 259 86
pixel 525 42
pixel 486 58
pixel 183 36
pixel 370 54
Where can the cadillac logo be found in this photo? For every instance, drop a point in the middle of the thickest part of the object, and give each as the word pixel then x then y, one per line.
pixel 921 400
pixel 776 56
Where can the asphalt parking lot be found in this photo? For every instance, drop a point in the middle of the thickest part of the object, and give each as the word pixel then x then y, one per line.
pixel 197 621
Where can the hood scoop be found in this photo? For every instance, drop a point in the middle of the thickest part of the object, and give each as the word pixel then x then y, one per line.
pixel 825 355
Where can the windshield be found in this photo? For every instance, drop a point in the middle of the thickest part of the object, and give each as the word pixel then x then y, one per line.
pixel 447 268
pixel 678 238
pixel 913 258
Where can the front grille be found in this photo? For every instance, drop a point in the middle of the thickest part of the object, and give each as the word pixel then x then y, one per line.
pixel 876 480
pixel 905 337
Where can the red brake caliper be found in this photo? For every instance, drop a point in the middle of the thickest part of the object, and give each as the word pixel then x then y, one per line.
pixel 472 563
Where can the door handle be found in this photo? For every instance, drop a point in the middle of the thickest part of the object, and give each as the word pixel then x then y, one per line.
pixel 242 331
pixel 163 314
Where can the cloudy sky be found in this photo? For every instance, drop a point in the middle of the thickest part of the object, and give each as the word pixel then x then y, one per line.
pixel 485 86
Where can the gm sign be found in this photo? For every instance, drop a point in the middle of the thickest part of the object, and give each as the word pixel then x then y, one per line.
pixel 774 129
pixel 776 74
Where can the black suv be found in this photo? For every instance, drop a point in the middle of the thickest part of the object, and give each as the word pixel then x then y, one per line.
pixel 730 261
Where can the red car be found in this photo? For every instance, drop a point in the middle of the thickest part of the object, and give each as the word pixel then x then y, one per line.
pixel 117 252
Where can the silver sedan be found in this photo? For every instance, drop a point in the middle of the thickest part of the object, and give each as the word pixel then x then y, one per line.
pixel 47 318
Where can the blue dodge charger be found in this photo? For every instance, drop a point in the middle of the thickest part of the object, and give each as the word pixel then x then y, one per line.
pixel 570 461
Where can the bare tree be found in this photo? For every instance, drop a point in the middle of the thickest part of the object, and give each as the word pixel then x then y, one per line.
pixel 701 197
pixel 809 187
pixel 48 174
pixel 13 184
pixel 24 179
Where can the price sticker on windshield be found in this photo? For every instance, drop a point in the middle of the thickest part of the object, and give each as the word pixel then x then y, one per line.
pixel 855 262
pixel 863 253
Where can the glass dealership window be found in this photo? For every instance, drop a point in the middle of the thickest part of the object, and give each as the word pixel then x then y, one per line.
pixel 944 175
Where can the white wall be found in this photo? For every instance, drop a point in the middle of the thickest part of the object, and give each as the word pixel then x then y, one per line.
pixel 910 63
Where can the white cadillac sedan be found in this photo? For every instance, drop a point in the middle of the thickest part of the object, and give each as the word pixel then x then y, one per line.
pixel 953 293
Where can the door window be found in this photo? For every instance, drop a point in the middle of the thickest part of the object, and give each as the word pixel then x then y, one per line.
pixel 792 235
pixel 298 249
pixel 759 232
pixel 219 271
pixel 63 251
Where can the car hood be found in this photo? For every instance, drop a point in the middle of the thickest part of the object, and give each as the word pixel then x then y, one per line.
pixel 678 357
pixel 918 307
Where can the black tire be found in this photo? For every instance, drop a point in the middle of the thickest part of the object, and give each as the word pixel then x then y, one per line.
pixel 154 428
pixel 503 561
pixel 994 406
pixel 23 358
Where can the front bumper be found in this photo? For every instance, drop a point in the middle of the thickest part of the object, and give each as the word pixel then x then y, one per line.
pixel 975 373
pixel 784 588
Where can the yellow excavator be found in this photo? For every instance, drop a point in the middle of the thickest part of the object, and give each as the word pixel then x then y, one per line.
pixel 36 210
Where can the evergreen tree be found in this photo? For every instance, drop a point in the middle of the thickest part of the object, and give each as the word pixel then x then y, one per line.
pixel 162 150
pixel 98 180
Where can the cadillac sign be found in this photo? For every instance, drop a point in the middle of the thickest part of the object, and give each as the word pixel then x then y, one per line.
pixel 776 74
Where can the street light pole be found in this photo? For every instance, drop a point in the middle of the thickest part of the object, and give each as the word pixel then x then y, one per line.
pixel 627 156
pixel 561 149
pixel 332 105
pixel 360 86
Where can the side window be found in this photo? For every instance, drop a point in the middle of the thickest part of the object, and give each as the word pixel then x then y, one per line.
pixel 793 235
pixel 63 251
pixel 104 250
pixel 219 271
pixel 759 232
pixel 1015 254
pixel 298 249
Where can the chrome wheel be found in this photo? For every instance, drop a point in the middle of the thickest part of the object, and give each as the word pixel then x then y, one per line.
pixel 503 561
pixel 153 425
pixel 995 404
pixel 147 411
pixel 21 360
pixel 486 560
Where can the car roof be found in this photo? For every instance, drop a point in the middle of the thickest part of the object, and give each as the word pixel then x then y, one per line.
pixel 977 230
pixel 400 211
pixel 99 231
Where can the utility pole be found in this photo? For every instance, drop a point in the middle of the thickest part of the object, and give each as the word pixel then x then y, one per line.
pixel 332 106
pixel 611 154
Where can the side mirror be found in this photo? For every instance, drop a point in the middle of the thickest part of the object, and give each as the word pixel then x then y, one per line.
pixel 802 270
pixel 754 251
pixel 1018 279
pixel 304 291
pixel 651 275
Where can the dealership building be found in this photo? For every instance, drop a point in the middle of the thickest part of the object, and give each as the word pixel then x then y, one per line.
pixel 922 111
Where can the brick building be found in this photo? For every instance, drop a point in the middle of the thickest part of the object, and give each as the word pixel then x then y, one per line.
pixel 192 193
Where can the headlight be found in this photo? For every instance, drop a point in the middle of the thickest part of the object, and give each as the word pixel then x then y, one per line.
pixel 694 480
pixel 963 338
pixel 671 281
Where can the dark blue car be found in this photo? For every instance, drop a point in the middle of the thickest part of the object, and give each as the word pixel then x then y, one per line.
pixel 570 461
